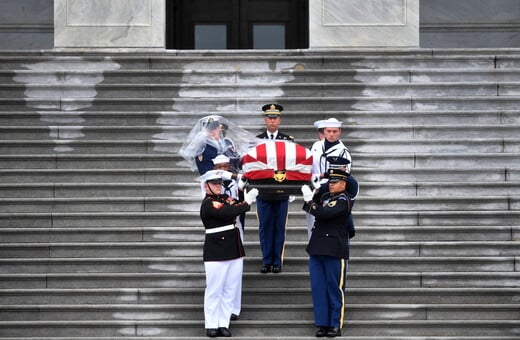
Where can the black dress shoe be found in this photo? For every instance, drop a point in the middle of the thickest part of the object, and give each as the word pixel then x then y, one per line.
pixel 212 332
pixel 322 331
pixel 334 332
pixel 277 269
pixel 223 331
pixel 234 317
pixel 265 269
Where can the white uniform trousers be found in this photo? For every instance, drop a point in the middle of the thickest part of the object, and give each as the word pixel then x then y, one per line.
pixel 223 279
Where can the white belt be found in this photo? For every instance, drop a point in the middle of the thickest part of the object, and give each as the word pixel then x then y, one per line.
pixel 219 229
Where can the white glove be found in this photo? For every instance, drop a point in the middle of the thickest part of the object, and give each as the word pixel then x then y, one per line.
pixel 242 183
pixel 307 193
pixel 315 181
pixel 250 196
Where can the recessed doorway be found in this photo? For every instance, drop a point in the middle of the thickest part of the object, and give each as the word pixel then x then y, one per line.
pixel 237 24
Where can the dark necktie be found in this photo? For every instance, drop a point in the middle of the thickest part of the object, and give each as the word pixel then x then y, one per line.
pixel 272 136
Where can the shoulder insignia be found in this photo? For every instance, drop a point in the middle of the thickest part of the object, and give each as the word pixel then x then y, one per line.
pixel 332 204
pixel 200 157
pixel 217 205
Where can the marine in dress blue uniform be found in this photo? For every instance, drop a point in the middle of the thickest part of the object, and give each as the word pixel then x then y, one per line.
pixel 328 248
pixel 272 208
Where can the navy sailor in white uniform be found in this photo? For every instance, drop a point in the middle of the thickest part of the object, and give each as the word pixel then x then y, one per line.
pixel 223 252
pixel 322 151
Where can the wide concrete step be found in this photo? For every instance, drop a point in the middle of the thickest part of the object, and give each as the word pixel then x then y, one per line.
pixel 259 89
pixel 393 278
pixel 177 312
pixel 294 75
pixel 267 312
pixel 94 146
pixel 438 233
pixel 143 175
pixel 272 328
pixel 362 160
pixel 240 104
pixel 401 196
pixel 443 145
pixel 493 173
pixel 292 249
pixel 255 295
pixel 184 264
pixel 187 119
pixel 158 204
pixel 377 337
pixel 441 190
pixel 170 138
pixel 297 233
pixel 259 60
pixel 426 160
pixel 184 219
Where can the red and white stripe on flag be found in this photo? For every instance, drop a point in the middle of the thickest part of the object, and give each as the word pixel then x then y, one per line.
pixel 262 161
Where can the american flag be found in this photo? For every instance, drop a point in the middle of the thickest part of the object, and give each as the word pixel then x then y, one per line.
pixel 276 157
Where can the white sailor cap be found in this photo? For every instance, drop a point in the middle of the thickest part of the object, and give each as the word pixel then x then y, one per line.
pixel 220 159
pixel 212 176
pixel 331 122
pixel 317 124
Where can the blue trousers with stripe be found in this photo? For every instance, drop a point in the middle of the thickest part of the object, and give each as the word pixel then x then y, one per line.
pixel 272 217
pixel 328 281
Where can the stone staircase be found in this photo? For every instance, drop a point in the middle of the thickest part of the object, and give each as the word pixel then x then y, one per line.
pixel 100 236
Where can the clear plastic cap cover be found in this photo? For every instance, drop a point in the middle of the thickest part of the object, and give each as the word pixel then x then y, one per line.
pixel 217 131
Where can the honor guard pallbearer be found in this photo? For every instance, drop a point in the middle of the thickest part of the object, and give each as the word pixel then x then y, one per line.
pixel 272 208
pixel 328 248
pixel 329 145
pixel 223 252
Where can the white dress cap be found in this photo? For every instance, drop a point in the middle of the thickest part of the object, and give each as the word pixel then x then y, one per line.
pixel 211 175
pixel 220 159
pixel 331 122
pixel 317 124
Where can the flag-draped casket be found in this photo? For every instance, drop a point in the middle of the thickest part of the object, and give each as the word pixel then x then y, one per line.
pixel 278 166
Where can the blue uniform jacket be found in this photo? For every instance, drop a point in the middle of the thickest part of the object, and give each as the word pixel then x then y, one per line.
pixel 330 236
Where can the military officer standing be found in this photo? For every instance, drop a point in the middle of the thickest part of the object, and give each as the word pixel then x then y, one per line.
pixel 272 208
pixel 329 252
pixel 223 252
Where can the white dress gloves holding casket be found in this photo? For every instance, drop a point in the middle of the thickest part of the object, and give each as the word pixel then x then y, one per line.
pixel 250 196
pixel 307 193
pixel 316 181
pixel 241 182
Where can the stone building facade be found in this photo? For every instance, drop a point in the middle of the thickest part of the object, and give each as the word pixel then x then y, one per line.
pixel 142 24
